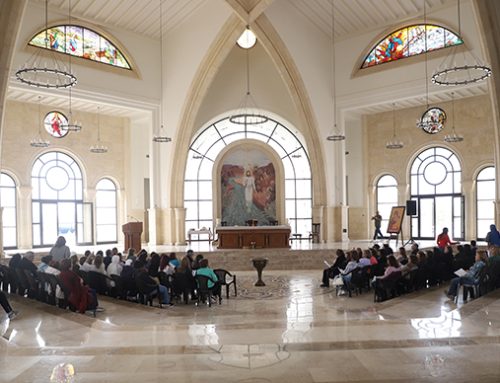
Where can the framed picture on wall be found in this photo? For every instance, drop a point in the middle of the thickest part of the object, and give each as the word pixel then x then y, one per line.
pixel 396 219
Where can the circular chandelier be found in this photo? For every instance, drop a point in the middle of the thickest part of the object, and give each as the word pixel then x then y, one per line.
pixel 461 75
pixel 39 142
pixel 45 73
pixel 394 143
pixel 98 148
pixel 453 137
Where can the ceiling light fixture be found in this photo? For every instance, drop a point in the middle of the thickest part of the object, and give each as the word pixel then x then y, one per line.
pixel 453 137
pixel 336 134
pixel 98 148
pixel 247 39
pixel 465 70
pixel 248 113
pixel 45 73
pixel 161 137
pixel 394 143
pixel 39 142
pixel 423 122
pixel 72 125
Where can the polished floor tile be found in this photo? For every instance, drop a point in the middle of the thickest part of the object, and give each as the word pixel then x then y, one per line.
pixel 289 331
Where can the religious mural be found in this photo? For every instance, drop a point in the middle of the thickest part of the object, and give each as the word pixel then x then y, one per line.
pixel 248 188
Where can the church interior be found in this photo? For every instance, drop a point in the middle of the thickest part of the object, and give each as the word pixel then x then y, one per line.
pixel 250 130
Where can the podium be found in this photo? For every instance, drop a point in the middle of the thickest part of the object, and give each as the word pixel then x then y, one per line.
pixel 132 232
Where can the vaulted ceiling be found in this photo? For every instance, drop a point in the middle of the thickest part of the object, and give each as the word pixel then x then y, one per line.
pixel 142 16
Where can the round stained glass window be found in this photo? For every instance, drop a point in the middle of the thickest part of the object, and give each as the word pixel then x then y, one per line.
pixel 434 120
pixel 56 124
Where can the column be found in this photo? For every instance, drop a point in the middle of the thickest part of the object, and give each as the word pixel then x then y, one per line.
pixel 24 224
pixel 180 227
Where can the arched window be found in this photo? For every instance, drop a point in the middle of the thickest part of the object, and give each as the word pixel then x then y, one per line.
pixel 9 215
pixel 410 41
pixel 105 207
pixel 211 141
pixel 57 201
pixel 387 197
pixel 81 42
pixel 436 185
pixel 485 198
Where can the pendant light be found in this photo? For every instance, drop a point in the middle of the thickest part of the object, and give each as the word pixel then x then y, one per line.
pixel 49 73
pixel 453 137
pixel 336 133
pixel 461 69
pixel 98 148
pixel 161 137
pixel 394 143
pixel 39 142
pixel 72 125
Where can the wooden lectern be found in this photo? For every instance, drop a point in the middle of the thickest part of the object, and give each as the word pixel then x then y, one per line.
pixel 132 232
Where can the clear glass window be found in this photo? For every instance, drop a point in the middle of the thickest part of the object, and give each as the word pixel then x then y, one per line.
pixel 106 211
pixel 485 201
pixel 8 199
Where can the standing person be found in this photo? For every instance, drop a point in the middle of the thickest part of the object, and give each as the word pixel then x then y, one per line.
pixel 6 306
pixel 493 236
pixel 377 219
pixel 443 239
pixel 60 251
pixel 249 182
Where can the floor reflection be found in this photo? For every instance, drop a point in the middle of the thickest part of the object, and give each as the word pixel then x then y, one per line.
pixel 299 310
pixel 445 326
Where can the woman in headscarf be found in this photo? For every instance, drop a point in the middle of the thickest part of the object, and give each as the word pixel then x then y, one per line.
pixel 115 267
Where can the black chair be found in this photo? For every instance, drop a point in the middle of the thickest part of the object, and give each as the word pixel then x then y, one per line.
pixel 476 288
pixel 21 282
pixel 205 293
pixel 222 277
pixel 147 292
pixel 387 286
pixel 4 277
pixel 119 289
pixel 33 285
pixel 493 275
pixel 84 275
pixel 182 285
pixel 54 283
pixel 43 294
pixel 98 282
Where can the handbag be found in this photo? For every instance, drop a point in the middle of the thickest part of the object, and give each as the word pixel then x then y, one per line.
pixel 337 281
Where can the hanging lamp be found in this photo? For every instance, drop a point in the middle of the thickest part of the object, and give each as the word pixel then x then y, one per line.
pixel 453 137
pixel 394 143
pixel 247 112
pixel 336 133
pixel 98 148
pixel 161 137
pixel 461 69
pixel 39 142
pixel 41 72
pixel 72 125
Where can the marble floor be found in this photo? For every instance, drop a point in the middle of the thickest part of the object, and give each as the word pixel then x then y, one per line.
pixel 289 331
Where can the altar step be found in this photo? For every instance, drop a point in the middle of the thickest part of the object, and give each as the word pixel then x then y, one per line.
pixel 278 259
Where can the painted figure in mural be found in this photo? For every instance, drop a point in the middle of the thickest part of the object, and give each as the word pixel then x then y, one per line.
pixel 249 183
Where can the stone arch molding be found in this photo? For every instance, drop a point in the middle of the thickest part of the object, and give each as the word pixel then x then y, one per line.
pixel 207 71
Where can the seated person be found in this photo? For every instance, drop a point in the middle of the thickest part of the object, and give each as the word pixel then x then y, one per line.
pixel 470 277
pixel 98 265
pixel 81 297
pixel 208 272
pixel 26 262
pixel 393 267
pixel 115 267
pixel 402 257
pixel 333 270
pixel 365 260
pixel 352 264
pixel 4 302
pixel 143 278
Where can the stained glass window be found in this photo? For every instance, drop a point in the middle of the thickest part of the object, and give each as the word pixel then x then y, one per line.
pixel 80 42
pixel 56 124
pixel 410 41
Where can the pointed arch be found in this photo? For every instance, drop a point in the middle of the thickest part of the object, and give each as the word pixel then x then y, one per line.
pixel 410 41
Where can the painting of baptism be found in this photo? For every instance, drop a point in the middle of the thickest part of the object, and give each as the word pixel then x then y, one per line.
pixel 248 188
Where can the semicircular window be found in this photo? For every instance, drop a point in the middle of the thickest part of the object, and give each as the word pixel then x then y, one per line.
pixel 410 41
pixel 56 124
pixel 81 42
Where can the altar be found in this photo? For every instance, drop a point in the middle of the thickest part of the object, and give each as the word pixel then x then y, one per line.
pixel 253 237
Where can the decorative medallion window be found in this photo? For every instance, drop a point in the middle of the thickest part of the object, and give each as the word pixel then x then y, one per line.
pixel 56 124
pixel 485 201
pixel 8 199
pixel 80 42
pixel 387 197
pixel 198 199
pixel 410 41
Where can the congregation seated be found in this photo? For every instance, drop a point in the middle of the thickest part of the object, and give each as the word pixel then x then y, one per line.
pixel 332 271
pixel 26 263
pixel 98 264
pixel 213 282
pixel 470 277
pixel 146 284
pixel 80 297
pixel 115 267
